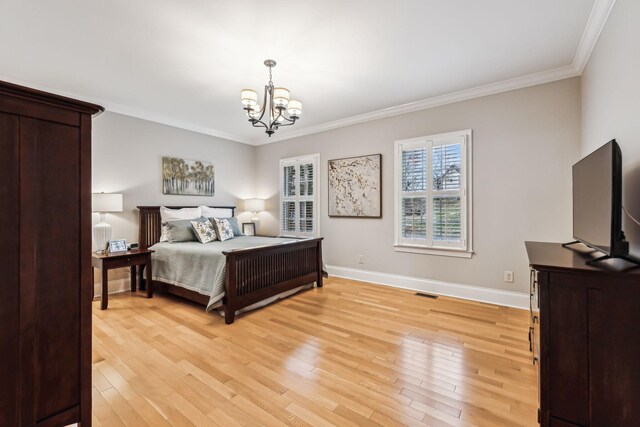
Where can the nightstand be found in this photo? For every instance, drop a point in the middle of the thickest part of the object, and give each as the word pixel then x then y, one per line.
pixel 132 259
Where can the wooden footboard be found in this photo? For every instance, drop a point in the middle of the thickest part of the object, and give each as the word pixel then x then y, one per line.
pixel 252 274
pixel 255 274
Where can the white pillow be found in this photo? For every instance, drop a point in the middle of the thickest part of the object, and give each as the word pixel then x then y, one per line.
pixel 216 212
pixel 167 214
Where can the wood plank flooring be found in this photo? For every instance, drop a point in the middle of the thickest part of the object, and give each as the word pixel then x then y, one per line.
pixel 348 354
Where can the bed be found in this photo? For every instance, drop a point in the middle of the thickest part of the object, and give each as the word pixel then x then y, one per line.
pixel 251 274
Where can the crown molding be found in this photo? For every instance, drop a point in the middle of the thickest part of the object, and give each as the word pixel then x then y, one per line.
pixel 138 114
pixel 163 120
pixel 597 20
pixel 595 24
pixel 436 101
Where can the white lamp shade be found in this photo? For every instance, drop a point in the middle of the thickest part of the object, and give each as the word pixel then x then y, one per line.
pixel 281 96
pixel 294 108
pixel 103 202
pixel 254 205
pixel 249 97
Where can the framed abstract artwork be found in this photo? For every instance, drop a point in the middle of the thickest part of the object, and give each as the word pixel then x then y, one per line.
pixel 187 177
pixel 355 187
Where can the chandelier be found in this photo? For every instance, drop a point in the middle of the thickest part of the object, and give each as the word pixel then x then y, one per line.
pixel 271 114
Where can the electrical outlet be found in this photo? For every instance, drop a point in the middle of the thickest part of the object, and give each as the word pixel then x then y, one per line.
pixel 360 259
pixel 508 276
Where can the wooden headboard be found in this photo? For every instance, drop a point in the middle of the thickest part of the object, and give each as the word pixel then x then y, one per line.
pixel 150 223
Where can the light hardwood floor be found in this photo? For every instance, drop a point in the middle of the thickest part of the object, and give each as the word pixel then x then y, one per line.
pixel 347 354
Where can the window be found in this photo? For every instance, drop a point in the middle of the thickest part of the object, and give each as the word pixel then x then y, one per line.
pixel 299 196
pixel 433 194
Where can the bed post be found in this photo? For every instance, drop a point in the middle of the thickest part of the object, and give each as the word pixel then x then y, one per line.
pixel 230 291
pixel 319 252
pixel 142 230
pixel 229 316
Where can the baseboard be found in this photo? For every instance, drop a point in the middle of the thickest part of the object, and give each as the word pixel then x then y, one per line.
pixel 457 290
pixel 115 287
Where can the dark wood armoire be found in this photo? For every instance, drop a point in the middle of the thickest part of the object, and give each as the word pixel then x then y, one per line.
pixel 45 258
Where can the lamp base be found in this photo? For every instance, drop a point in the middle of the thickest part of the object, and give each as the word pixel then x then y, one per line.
pixel 102 234
pixel 256 224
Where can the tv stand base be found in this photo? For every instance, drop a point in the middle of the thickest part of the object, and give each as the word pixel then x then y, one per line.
pixel 574 242
pixel 594 261
pixel 606 257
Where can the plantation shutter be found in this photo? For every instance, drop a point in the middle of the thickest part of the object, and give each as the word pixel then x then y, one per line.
pixel 431 193
pixel 288 199
pixel 298 198
pixel 414 192
pixel 447 194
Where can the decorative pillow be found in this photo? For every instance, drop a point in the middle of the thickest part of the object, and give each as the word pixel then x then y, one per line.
pixel 167 214
pixel 223 229
pixel 233 222
pixel 180 230
pixel 216 212
pixel 204 230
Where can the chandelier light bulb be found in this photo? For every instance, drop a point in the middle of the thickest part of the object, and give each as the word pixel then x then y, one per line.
pixel 295 108
pixel 279 119
pixel 255 111
pixel 280 96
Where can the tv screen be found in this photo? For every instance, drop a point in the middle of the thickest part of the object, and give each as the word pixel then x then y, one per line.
pixel 597 200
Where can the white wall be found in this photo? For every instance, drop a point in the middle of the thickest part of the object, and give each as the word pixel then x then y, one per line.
pixel 127 158
pixel 611 101
pixel 525 142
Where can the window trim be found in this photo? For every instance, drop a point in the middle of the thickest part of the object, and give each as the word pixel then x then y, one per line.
pixel 315 160
pixel 466 160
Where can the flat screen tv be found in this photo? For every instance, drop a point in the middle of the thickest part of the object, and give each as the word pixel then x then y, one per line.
pixel 597 201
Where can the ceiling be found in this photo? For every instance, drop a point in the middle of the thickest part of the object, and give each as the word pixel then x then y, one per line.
pixel 184 63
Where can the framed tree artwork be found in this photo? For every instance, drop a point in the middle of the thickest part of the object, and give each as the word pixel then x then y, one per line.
pixel 187 177
pixel 355 187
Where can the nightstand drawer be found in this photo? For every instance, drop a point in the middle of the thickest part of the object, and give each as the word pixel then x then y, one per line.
pixel 126 261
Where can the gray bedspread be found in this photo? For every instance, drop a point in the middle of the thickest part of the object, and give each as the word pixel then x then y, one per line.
pixel 198 267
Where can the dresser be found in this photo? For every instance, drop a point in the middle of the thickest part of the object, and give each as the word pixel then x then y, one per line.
pixel 585 336
pixel 45 258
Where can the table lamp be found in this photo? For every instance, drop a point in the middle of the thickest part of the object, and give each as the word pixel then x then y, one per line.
pixel 255 206
pixel 103 203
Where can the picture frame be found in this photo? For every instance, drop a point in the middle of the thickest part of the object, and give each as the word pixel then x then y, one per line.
pixel 188 177
pixel 355 187
pixel 118 246
pixel 249 229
